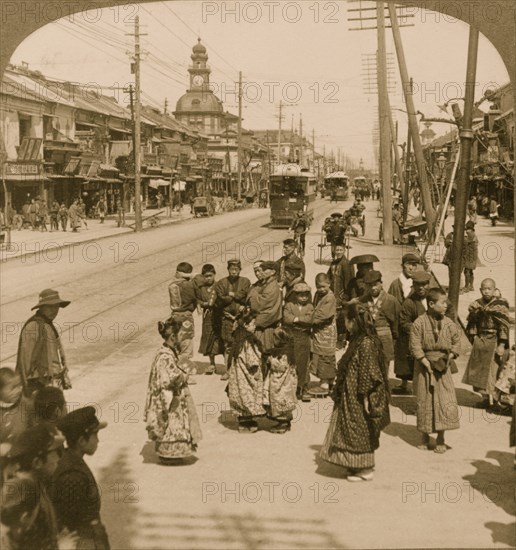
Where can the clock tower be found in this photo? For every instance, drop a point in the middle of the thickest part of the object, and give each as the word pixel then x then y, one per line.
pixel 199 70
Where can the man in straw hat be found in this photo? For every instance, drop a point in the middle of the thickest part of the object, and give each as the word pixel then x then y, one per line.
pixel 41 360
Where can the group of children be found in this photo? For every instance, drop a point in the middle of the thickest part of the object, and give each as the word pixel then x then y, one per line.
pixel 50 498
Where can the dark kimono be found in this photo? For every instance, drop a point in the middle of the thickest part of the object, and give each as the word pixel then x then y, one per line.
pixel 411 309
pixel 324 336
pixel 354 433
pixel 266 301
pixel 488 325
pixel 211 342
pixel 229 306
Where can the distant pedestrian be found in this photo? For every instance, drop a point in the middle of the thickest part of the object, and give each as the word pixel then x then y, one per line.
pixel 54 216
pixel 74 491
pixel 470 256
pixel 434 344
pixel 170 412
pixel 41 360
pixel 101 210
pixel 42 216
pixel 324 333
pixel 120 210
pixel 33 214
pixel 488 326
pixel 472 209
pixel 63 216
pixel 74 216
pixel 361 399
pixel 211 342
pixel 493 210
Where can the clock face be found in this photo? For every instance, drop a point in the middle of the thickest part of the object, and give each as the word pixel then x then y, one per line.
pixel 198 80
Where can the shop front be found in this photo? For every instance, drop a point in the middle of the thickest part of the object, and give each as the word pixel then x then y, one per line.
pixel 23 181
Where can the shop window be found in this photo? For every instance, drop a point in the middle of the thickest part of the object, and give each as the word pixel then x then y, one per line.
pixel 25 125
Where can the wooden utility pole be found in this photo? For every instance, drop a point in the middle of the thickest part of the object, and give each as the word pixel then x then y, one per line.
pixel 279 130
pixel 239 192
pixel 137 127
pixel 301 155
pixel 397 160
pixel 268 153
pixel 313 150
pixel 426 195
pixel 463 183
pixel 384 125
pixel 165 107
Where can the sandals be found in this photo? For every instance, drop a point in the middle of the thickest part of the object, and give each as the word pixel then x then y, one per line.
pixel 248 427
pixel 357 477
pixel 280 428
pixel 210 370
pixel 440 449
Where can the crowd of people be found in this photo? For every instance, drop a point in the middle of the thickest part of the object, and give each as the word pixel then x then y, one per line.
pixel 279 338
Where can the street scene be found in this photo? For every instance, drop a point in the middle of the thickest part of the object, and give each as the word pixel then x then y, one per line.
pixel 235 318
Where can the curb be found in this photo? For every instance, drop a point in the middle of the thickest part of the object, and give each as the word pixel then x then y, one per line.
pixel 94 239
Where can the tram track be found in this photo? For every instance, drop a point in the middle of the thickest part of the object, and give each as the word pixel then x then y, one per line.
pixel 146 292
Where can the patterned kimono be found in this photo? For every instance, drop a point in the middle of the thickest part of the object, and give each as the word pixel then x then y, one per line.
pixel 170 412
pixel 280 386
pixel 324 336
pixel 245 387
pixel 488 325
pixel 435 393
pixel 354 433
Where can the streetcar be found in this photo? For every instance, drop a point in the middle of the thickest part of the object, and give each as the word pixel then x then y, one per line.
pixel 360 186
pixel 292 189
pixel 336 185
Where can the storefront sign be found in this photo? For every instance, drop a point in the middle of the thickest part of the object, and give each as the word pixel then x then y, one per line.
pixel 15 169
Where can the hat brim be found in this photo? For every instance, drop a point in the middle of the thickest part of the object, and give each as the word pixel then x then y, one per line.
pixel 100 426
pixel 60 303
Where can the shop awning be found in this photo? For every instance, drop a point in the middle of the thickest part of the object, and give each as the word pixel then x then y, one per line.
pixel 155 183
pixel 88 124
pixel 179 186
pixel 108 168
pixel 121 130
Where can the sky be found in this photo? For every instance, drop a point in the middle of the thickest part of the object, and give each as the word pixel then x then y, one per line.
pixel 301 52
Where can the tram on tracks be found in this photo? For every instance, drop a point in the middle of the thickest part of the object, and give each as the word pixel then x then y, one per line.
pixel 336 186
pixel 291 189
pixel 360 186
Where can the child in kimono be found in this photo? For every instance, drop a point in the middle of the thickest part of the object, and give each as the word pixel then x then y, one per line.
pixel 434 344
pixel 324 333
pixel 297 319
pixel 281 382
pixel 245 386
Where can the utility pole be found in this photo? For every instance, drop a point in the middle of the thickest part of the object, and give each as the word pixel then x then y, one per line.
pixel 301 155
pixel 313 150
pixel 165 107
pixel 280 116
pixel 239 192
pixel 137 127
pixel 426 196
pixel 463 184
pixel 385 130
pixel 268 153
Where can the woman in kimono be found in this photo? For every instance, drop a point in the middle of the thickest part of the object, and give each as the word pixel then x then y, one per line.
pixel 245 387
pixel 281 382
pixel 361 399
pixel 170 413
pixel 434 343
pixel 211 341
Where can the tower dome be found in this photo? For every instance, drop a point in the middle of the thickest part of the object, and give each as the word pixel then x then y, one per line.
pixel 199 48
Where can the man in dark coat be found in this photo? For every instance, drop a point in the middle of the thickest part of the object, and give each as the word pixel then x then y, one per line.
pixel 364 263
pixel 340 274
pixel 413 306
pixel 401 287
pixel 289 258
pixel 41 360
pixel 293 275
pixel 231 294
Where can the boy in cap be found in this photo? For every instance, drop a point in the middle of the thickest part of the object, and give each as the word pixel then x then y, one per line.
pixel 293 275
pixel 183 301
pixel 297 319
pixel 41 360
pixel 384 310
pixel 231 292
pixel 75 493
pixel 266 301
pixel 413 306
pixel 401 287
pixel 289 258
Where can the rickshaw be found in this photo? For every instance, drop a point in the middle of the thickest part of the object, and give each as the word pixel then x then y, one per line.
pixel 202 207
pixel 337 186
